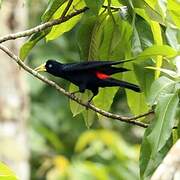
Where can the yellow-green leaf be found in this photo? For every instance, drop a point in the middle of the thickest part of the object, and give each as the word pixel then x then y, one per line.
pixel 58 30
pixel 156 30
pixel 157 139
pixel 75 107
pixel 156 50
pixel 6 173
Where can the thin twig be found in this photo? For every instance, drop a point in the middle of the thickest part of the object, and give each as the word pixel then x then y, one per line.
pixel 130 120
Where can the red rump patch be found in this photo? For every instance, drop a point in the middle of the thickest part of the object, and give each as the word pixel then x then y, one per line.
pixel 101 75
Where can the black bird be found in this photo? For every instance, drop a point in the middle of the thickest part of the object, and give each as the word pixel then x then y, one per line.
pixel 88 75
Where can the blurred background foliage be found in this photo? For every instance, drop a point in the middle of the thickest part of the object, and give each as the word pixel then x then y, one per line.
pixel 61 145
pixel 66 140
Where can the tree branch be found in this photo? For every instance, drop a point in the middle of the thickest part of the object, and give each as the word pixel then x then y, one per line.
pixel 130 120
pixel 48 24
pixel 42 26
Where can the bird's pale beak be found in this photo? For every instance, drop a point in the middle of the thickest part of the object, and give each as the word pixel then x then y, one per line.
pixel 40 68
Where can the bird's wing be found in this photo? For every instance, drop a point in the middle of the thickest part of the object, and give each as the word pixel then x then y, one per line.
pixel 90 65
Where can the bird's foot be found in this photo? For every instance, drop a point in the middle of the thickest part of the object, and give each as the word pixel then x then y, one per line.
pixel 73 93
pixel 87 105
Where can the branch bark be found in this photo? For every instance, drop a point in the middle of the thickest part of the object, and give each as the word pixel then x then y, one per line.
pixel 130 120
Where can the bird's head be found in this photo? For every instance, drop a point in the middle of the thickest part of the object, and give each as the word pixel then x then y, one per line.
pixel 51 66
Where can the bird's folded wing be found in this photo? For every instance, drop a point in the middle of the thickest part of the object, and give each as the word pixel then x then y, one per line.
pixel 88 65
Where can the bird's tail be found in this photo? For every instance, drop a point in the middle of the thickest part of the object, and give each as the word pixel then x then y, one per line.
pixel 114 82
pixel 113 70
pixel 123 61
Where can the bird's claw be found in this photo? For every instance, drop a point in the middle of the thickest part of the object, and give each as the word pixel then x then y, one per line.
pixel 73 94
pixel 88 104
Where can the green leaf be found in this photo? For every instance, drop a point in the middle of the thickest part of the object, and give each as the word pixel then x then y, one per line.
pixel 156 30
pixel 84 34
pixel 142 36
pixel 28 45
pixel 89 117
pixel 94 5
pixel 174 12
pixel 156 50
pixel 6 173
pixel 161 86
pixel 75 107
pixel 96 38
pixel 171 73
pixel 151 3
pixel 101 100
pixel 157 138
pixel 136 101
pixel 52 7
pixel 172 36
pixel 146 80
pixel 136 42
pixel 146 170
pixel 148 13
pixel 111 47
pixel 58 30
pixel 143 14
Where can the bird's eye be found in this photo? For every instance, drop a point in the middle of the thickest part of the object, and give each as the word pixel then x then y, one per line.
pixel 50 65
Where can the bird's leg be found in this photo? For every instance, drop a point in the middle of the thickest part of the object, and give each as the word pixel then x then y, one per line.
pixel 73 93
pixel 95 92
pixel 91 99
pixel 81 89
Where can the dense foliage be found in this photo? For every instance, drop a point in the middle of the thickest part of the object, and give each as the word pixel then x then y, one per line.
pixel 149 32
